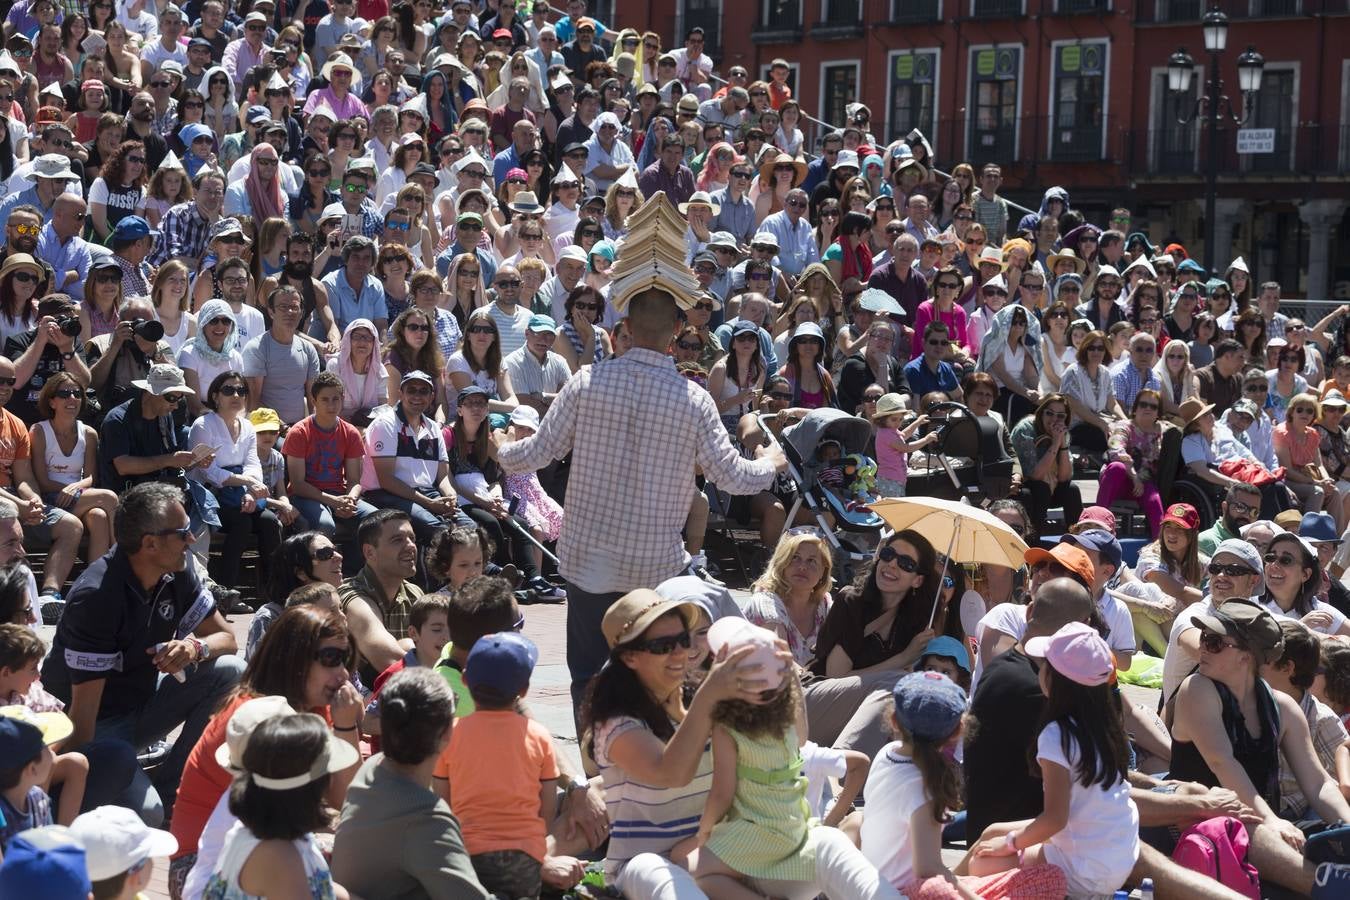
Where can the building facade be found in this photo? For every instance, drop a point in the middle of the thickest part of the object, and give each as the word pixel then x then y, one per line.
pixel 1074 93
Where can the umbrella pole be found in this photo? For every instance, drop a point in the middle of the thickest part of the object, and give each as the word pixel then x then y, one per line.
pixel 946 561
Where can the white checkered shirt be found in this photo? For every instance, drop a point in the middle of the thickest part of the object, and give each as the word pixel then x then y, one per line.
pixel 636 429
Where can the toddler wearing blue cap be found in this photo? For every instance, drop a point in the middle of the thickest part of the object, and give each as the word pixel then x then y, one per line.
pixel 505 817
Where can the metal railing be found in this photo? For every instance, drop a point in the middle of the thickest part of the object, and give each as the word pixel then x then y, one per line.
pixel 1307 149
pixel 1184 11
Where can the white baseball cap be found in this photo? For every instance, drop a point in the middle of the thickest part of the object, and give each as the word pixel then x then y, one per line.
pixel 115 839
pixel 734 633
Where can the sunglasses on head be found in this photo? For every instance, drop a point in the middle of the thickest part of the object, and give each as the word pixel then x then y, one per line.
pixel 906 562
pixel 663 646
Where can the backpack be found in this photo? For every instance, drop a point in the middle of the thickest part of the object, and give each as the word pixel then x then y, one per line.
pixel 1218 848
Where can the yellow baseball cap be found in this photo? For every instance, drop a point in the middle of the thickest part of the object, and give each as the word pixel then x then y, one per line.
pixel 265 419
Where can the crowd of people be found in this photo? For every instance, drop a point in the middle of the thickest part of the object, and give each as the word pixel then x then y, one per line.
pixel 358 286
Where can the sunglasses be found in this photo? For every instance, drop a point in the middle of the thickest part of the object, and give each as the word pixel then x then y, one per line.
pixel 332 657
pixel 685 345
pixel 25 278
pixel 663 646
pixel 1145 404
pixel 1230 570
pixel 416 326
pixel 482 329
pixel 67 393
pixel 1283 560
pixel 906 562
pixel 949 286
pixel 184 533
pixel 233 390
pixel 1214 643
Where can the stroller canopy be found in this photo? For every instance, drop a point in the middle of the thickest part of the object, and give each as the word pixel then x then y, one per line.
pixel 825 424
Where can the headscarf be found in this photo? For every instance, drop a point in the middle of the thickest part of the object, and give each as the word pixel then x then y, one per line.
pixel 374 391
pixel 709 170
pixel 996 338
pixel 189 133
pixel 1054 193
pixel 210 311
pixel 831 289
pixel 649 152
pixel 637 80
pixel 536 101
pixel 229 113
pixel 603 248
pixel 267 200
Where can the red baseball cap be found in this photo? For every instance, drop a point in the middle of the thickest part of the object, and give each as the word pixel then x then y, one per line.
pixel 1182 514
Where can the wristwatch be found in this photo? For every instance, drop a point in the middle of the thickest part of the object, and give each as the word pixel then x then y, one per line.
pixel 201 650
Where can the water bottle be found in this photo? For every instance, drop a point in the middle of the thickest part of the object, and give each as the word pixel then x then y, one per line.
pixel 1146 889
pixel 1121 895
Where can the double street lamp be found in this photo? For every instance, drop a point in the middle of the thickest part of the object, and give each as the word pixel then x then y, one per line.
pixel 1180 70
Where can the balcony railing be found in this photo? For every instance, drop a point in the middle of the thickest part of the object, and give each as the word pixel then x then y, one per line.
pixel 997 9
pixel 1181 151
pixel 1082 6
pixel 1187 11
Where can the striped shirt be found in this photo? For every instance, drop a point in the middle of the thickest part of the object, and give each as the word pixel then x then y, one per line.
pixel 632 421
pixel 642 818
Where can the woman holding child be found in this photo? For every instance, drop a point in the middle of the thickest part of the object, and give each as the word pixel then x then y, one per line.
pixel 306 658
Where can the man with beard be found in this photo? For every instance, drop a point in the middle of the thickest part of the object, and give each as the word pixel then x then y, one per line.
pixel 379 598
pixel 41 352
pixel 110 677
pixel 1239 508
pixel 141 127
pixel 1101 309
pixel 298 272
pixel 185 228
pixel 21 236
pixel 127 353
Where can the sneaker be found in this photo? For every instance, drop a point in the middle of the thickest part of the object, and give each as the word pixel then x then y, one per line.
pixel 545 592
pixel 229 601
pixel 703 569
pixel 154 753
pixel 1331 882
pixel 50 606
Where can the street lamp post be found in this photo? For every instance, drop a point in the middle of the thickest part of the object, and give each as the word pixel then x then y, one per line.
pixel 1180 70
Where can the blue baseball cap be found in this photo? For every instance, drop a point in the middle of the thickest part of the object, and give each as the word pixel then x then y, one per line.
pixel 1099 540
pixel 257 114
pixel 744 326
pixel 45 862
pixel 503 662
pixel 20 741
pixel 928 705
pixel 1190 265
pixel 949 647
pixel 131 228
pixel 541 323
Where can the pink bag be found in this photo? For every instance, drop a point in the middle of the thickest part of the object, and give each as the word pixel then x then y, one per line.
pixel 1218 848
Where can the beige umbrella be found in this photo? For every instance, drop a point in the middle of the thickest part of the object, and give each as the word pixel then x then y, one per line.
pixel 969 534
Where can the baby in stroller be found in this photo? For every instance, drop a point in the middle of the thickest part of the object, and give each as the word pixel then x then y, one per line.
pixel 851 478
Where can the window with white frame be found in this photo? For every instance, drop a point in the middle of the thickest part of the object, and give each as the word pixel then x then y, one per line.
pixel 838 88
pixel 1078 98
pixel 913 92
pixel 995 76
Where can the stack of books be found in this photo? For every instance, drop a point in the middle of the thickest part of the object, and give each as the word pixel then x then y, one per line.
pixel 653 255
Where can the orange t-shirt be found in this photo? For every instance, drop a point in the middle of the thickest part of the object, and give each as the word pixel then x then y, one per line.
pixel 778 94
pixel 495 762
pixel 14 445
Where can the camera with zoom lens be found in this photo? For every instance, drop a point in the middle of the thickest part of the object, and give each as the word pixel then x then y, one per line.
pixel 69 325
pixel 147 329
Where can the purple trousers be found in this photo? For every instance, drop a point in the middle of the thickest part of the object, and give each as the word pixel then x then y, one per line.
pixel 1116 484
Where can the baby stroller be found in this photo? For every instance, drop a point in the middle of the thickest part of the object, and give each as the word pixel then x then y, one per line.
pixel 799 444
pixel 953 467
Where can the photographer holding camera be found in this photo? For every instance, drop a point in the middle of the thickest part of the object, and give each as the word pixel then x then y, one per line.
pixel 40 353
pixel 126 355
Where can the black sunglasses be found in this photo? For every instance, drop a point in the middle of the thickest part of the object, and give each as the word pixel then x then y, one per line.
pixel 332 657
pixel 906 562
pixel 663 646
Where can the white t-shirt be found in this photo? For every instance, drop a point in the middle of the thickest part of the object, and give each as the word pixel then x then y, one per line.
pixel 207 371
pixel 894 790
pixel 1337 617
pixel 1099 844
pixel 1009 618
pixel 382 441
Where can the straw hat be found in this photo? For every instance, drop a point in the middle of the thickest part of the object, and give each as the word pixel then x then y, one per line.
pixel 1066 255
pixel 1191 409
pixel 782 159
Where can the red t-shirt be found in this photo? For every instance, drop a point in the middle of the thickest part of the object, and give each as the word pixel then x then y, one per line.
pixel 14 445
pixel 325 452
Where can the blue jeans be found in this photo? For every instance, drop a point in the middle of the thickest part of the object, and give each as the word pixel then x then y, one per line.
pixel 321 518
pixel 191 704
pixel 425 522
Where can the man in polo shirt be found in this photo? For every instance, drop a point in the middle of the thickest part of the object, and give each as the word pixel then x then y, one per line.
pixel 929 372
pixel 551 300
pixel 379 598
pixel 1240 507
pixel 140 440
pixel 353 292
pixel 524 137
pixel 669 173
pixel 899 278
pixel 1221 382
pixel 408 467
pixel 537 373
pixel 139 612
pixel 735 213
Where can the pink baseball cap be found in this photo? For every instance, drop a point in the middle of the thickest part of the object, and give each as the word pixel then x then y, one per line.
pixel 1099 515
pixel 1077 652
pixel 734 633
